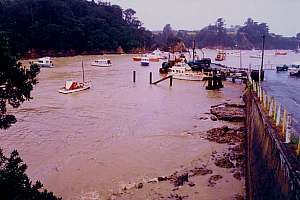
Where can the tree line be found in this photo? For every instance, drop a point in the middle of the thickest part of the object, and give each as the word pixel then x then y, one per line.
pixel 247 36
pixel 76 26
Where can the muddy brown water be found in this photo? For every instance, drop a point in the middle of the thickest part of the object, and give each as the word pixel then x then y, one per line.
pixel 116 132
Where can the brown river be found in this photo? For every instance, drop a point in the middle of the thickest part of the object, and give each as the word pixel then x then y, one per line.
pixel 116 132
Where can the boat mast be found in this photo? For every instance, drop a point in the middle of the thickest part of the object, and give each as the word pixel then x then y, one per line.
pixel 82 71
pixel 262 58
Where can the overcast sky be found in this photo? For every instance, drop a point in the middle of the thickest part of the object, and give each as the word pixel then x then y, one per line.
pixel 282 16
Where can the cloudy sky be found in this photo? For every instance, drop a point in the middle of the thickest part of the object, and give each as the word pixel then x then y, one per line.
pixel 282 16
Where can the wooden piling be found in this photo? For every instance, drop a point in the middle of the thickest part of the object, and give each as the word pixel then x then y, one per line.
pixel 274 111
pixel 298 148
pixel 134 72
pixel 150 78
pixel 171 81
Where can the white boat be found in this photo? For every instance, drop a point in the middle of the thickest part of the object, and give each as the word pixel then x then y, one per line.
pixel 294 69
pixel 73 86
pixel 102 63
pixel 44 62
pixel 145 61
pixel 183 71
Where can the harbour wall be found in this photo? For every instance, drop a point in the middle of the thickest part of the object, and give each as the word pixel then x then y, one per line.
pixel 272 164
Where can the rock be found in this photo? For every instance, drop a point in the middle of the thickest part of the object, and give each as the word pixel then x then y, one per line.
pixel 212 180
pixel 225 135
pixel 180 180
pixel 229 112
pixel 154 180
pixel 162 178
pixel 213 118
pixel 224 163
pixel 139 185
pixel 237 175
pixel 191 184
pixel 200 171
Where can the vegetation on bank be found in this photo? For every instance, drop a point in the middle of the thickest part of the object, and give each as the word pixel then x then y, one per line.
pixel 248 36
pixel 69 27
pixel 16 84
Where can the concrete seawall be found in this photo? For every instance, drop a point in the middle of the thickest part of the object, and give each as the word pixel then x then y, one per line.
pixel 272 173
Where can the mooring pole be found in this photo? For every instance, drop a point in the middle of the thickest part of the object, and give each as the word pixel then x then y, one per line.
pixel 194 45
pixel 134 76
pixel 150 78
pixel 171 81
pixel 82 71
pixel 262 58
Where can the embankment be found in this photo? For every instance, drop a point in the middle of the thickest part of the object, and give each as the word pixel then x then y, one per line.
pixel 272 172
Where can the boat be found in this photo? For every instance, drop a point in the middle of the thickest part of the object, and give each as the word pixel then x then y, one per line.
pixel 73 86
pixel 183 71
pixel 44 62
pixel 282 68
pixel 295 72
pixel 255 56
pixel 220 56
pixel 102 63
pixel 280 53
pixel 145 61
pixel 137 58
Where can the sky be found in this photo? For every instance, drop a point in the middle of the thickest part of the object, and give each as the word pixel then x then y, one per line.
pixel 282 16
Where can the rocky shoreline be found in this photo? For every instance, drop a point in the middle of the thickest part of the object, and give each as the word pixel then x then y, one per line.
pixel 186 182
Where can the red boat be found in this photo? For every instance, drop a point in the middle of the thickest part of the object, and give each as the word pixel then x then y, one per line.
pixel 280 53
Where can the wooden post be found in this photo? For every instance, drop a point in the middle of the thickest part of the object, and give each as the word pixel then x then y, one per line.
pixel 298 148
pixel 288 129
pixel 284 122
pixel 271 107
pixel 150 78
pixel 134 76
pixel 278 115
pixel 274 111
pixel 171 81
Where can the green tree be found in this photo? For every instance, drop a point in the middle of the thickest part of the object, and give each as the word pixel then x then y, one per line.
pixel 16 83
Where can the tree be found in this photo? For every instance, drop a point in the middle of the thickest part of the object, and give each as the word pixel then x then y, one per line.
pixel 16 83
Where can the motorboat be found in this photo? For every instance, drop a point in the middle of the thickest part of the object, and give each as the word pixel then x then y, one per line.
pixel 294 69
pixel 282 68
pixel 145 61
pixel 220 56
pixel 74 86
pixel 183 71
pixel 102 63
pixel 44 62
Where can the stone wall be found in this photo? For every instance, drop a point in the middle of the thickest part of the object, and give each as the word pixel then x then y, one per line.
pixel 272 172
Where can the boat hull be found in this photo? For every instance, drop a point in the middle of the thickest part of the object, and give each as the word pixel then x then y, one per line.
pixel 136 58
pixel 145 64
pixel 97 65
pixel 65 91
pixel 188 77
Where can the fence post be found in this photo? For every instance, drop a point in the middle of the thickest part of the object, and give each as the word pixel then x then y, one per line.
pixel 271 107
pixel 275 111
pixel 278 115
pixel 150 78
pixel 284 123
pixel 288 129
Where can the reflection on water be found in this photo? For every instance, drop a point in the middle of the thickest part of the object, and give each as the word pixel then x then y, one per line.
pixel 114 133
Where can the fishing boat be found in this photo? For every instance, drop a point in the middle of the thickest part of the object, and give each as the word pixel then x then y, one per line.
pixel 145 61
pixel 74 86
pixel 102 63
pixel 220 56
pixel 44 62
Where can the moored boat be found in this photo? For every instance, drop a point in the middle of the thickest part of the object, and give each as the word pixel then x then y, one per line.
pixel 280 53
pixel 282 68
pixel 44 62
pixel 102 63
pixel 73 86
pixel 145 61
pixel 220 56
